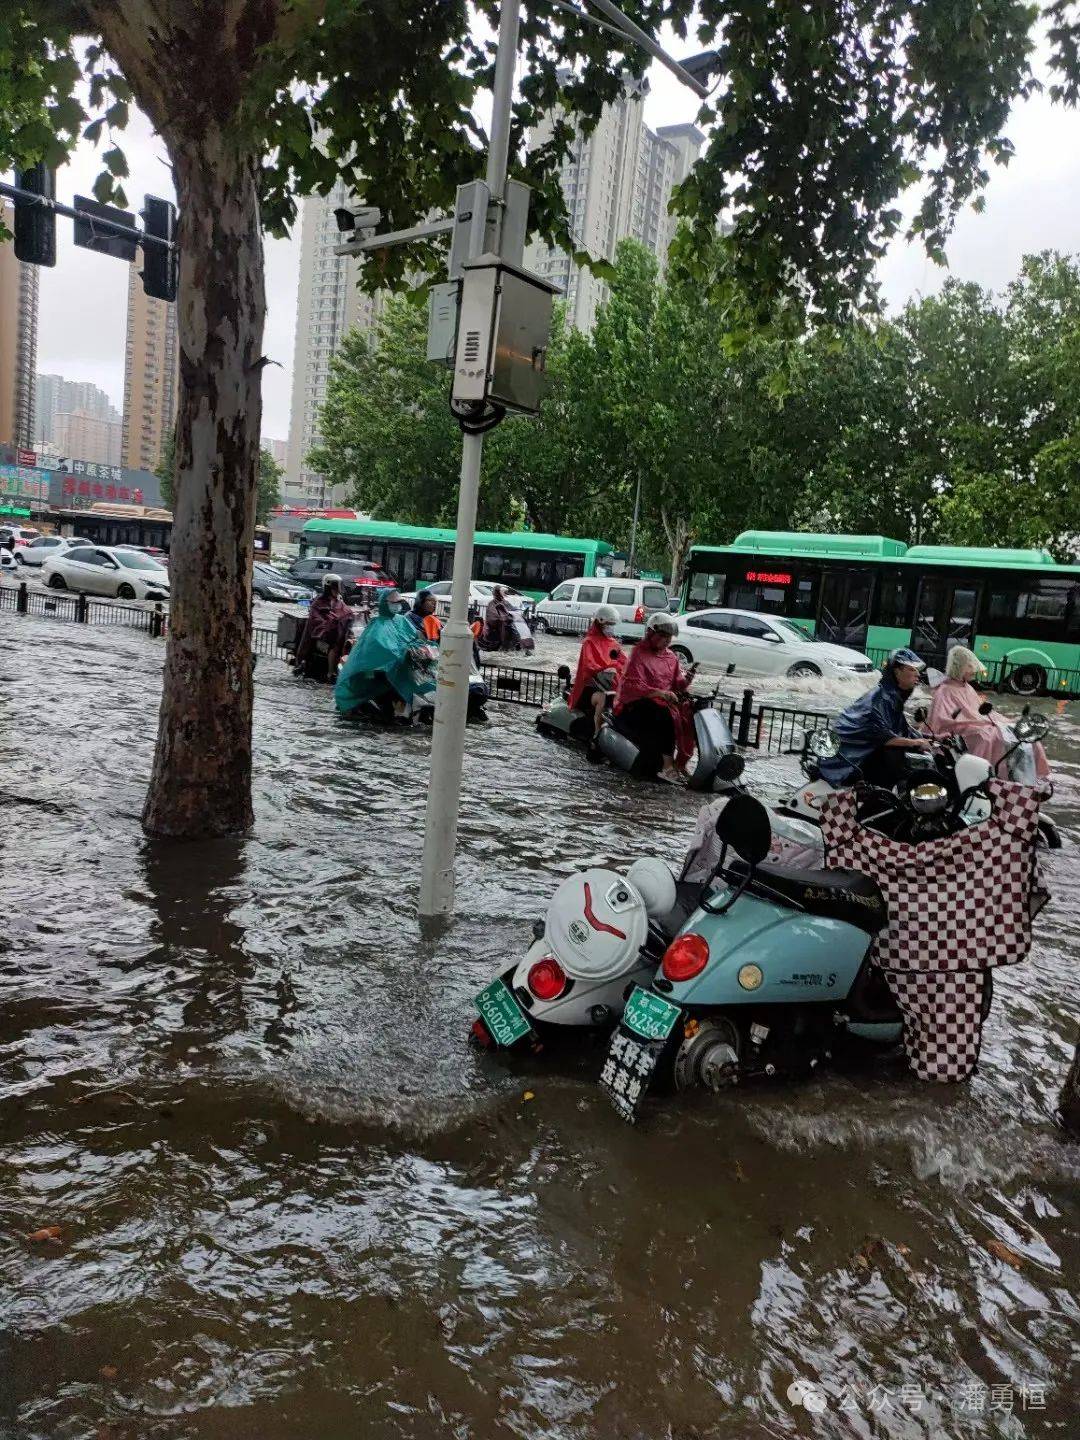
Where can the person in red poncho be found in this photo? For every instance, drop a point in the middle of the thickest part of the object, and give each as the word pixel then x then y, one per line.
pixel 651 701
pixel 600 663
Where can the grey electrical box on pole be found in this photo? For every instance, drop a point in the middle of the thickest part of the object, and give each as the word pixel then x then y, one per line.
pixel 504 330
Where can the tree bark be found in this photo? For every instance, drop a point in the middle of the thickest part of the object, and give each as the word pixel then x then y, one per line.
pixel 1070 1095
pixel 190 65
pixel 201 780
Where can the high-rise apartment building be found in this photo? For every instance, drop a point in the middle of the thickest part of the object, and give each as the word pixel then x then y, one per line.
pixel 82 436
pixel 57 396
pixel 151 376
pixel 18 344
pixel 328 304
pixel 617 182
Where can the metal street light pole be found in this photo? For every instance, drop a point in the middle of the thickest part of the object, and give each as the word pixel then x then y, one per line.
pixel 455 657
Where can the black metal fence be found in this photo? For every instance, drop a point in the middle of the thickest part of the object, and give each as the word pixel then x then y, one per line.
pixel 537 688
pixel 81 609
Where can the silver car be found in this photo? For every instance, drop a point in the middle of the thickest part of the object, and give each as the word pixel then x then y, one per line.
pixel 101 570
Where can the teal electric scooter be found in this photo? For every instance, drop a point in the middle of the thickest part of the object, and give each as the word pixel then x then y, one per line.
pixel 769 974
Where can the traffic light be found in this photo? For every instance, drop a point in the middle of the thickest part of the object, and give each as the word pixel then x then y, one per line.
pixel 35 225
pixel 160 262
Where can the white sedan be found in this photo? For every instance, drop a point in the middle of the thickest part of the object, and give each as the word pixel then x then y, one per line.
pixel 45 548
pixel 480 593
pixel 745 642
pixel 102 570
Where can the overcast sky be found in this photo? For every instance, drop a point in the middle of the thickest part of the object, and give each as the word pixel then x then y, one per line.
pixel 1031 205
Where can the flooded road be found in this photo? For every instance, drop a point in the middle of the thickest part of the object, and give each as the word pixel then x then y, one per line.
pixel 292 1202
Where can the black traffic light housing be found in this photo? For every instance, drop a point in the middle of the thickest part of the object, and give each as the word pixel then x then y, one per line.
pixel 161 263
pixel 35 225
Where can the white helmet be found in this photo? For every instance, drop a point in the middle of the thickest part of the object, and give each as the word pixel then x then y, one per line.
pixel 661 620
pixel 606 615
pixel 655 884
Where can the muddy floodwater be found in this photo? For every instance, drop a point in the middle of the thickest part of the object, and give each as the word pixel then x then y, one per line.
pixel 291 1202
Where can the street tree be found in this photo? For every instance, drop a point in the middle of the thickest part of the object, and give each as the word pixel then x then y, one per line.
pixel 823 115
pixel 268 495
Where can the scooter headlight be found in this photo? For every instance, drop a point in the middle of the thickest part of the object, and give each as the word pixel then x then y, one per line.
pixel 929 798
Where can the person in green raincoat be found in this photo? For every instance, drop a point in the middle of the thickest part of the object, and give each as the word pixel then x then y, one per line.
pixel 387 662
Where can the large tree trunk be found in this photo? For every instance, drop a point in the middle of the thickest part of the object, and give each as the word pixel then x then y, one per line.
pixel 1070 1095
pixel 201 780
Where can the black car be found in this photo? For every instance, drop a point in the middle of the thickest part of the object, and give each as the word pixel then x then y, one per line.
pixel 359 578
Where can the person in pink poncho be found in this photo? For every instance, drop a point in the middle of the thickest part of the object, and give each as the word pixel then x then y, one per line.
pixel 651 701
pixel 955 711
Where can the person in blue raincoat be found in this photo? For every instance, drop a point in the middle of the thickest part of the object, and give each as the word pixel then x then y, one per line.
pixel 388 663
pixel 874 732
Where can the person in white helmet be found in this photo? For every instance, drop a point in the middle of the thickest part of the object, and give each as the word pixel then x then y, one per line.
pixel 651 699
pixel 600 663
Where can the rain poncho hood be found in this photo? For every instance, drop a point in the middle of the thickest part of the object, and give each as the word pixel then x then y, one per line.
pixel 379 658
pixel 864 727
pixel 598 652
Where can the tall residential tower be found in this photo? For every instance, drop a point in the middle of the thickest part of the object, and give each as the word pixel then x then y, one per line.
pixel 151 376
pixel 18 345
pixel 617 182
pixel 328 304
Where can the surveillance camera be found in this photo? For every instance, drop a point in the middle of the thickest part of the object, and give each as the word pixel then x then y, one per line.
pixel 701 66
pixel 346 220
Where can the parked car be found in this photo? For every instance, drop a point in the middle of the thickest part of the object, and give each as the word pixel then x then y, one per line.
pixel 14 537
pixel 102 570
pixel 359 578
pixel 480 592
pixel 46 547
pixel 574 602
pixel 154 550
pixel 745 642
pixel 7 559
pixel 269 583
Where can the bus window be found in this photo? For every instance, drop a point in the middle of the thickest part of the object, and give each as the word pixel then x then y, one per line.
pixel 1036 609
pixel 706 590
pixel 772 599
pixel 894 601
pixel 429 565
pixel 803 599
pixel 491 565
pixel 569 567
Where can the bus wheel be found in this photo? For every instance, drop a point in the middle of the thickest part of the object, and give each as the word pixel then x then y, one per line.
pixel 1027 680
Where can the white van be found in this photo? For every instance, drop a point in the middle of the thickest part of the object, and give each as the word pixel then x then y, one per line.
pixel 570 606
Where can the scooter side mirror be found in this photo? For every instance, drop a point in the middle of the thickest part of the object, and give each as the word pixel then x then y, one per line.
pixel 921 714
pixel 743 824
pixel 985 708
pixel 563 674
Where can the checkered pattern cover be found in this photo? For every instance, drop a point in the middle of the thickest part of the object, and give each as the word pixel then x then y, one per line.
pixel 957 907
pixel 960 903
pixel 942 1013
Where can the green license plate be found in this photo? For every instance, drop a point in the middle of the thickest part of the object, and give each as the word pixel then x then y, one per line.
pixel 502 1014
pixel 650 1016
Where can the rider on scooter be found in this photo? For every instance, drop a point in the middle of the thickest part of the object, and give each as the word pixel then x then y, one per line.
pixel 600 663
pixel 874 732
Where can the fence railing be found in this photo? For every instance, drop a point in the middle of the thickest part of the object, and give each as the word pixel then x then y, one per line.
pixel 537 688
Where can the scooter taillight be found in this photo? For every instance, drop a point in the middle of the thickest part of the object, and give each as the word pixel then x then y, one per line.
pixel 547 979
pixel 685 957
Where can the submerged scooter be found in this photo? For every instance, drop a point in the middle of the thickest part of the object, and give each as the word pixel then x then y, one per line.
pixel 711 732
pixel 767 974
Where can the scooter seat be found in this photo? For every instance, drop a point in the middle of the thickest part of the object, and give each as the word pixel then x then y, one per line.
pixel 834 894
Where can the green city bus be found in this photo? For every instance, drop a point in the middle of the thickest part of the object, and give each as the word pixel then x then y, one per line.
pixel 1017 609
pixel 415 555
